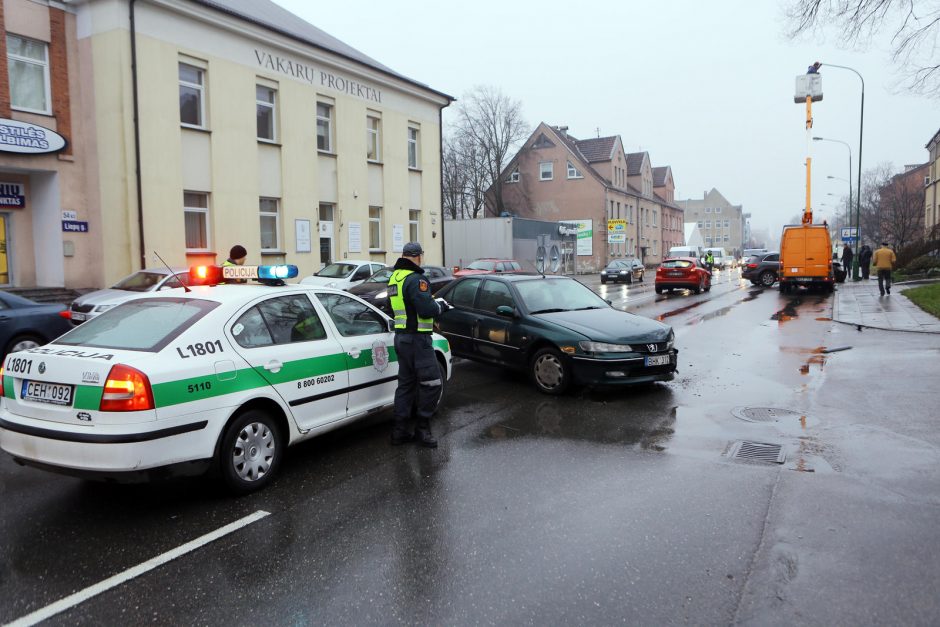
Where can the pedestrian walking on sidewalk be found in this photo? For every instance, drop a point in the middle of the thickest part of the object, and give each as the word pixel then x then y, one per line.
pixel 847 256
pixel 884 260
pixel 864 261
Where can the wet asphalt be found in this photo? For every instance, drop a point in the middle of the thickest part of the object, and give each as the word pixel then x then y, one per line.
pixel 601 506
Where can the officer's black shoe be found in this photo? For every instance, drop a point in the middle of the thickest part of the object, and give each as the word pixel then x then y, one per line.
pixel 426 440
pixel 398 440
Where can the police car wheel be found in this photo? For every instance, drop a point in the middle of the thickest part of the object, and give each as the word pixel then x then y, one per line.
pixel 549 371
pixel 250 452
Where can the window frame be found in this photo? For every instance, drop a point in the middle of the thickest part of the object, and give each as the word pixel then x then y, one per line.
pixel 551 170
pixel 414 156
pixel 414 222
pixel 201 89
pixel 46 72
pixel 513 176
pixel 272 106
pixel 374 138
pixel 327 120
pixel 205 212
pixel 577 173
pixel 277 224
pixel 378 222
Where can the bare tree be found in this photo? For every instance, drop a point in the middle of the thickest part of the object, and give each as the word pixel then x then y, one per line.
pixel 464 177
pixel 902 210
pixel 913 26
pixel 493 124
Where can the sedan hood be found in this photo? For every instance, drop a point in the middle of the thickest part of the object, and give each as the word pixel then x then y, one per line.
pixel 610 325
pixel 322 281
pixel 107 296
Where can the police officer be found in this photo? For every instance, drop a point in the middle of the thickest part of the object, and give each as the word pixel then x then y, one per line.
pixel 236 257
pixel 419 377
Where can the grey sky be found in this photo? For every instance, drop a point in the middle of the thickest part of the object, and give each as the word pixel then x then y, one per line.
pixel 705 87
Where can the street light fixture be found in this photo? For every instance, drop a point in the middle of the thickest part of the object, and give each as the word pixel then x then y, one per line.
pixel 858 198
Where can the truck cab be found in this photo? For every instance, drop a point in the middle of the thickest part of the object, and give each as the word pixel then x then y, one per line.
pixel 805 257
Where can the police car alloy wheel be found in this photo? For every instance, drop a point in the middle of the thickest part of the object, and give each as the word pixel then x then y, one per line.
pixel 250 451
pixel 549 371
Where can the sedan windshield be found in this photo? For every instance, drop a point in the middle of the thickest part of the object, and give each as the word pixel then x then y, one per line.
pixel 482 265
pixel 677 263
pixel 550 295
pixel 142 281
pixel 337 270
pixel 381 276
pixel 614 265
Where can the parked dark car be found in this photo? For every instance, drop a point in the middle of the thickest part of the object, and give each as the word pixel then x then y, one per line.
pixel 627 270
pixel 28 324
pixel 762 268
pixel 556 329
pixel 374 290
pixel 681 273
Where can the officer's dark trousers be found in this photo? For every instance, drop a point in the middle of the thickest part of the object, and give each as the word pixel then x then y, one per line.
pixel 419 384
pixel 884 281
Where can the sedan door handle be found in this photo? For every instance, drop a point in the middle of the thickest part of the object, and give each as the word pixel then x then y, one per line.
pixel 273 366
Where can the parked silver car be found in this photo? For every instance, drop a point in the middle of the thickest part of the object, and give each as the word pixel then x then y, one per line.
pixel 148 280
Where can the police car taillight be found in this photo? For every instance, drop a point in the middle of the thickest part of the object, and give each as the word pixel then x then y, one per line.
pixel 1 381
pixel 126 389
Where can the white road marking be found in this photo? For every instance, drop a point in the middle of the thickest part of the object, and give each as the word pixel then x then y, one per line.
pixel 83 595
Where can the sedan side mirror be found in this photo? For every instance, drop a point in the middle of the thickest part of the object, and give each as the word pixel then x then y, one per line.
pixel 506 310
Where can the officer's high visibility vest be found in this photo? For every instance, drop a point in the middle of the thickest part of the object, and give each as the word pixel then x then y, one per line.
pixel 396 287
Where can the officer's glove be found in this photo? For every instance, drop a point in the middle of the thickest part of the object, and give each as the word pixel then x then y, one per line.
pixel 443 304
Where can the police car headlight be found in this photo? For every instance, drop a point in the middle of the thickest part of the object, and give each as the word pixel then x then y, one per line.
pixel 101 308
pixel 604 347
pixel 382 294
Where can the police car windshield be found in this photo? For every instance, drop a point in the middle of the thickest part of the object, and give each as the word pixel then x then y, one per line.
pixel 139 325
pixel 142 281
pixel 337 270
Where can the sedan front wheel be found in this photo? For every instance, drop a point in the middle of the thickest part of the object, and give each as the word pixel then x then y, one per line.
pixel 549 372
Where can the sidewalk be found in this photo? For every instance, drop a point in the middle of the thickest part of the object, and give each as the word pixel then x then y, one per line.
pixel 859 303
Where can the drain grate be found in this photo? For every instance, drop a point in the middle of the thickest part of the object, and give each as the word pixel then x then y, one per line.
pixel 758 452
pixel 763 414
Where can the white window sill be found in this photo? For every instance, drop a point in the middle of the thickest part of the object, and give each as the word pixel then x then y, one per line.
pixel 269 142
pixel 199 129
pixel 326 153
pixel 272 251
pixel 33 111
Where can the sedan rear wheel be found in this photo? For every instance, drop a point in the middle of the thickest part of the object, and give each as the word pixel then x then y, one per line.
pixel 250 451
pixel 698 288
pixel 22 343
pixel 549 371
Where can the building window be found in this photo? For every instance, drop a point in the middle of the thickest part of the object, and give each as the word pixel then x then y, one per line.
pixel 270 224
pixel 373 138
pixel 265 102
pixel 573 172
pixel 708 209
pixel 700 224
pixel 717 209
pixel 727 224
pixel 546 171
pixel 196 218
pixel 192 96
pixel 375 228
pixel 324 127
pixel 726 238
pixel 708 224
pixel 414 218
pixel 413 147
pixel 513 176
pixel 28 64
pixel 654 218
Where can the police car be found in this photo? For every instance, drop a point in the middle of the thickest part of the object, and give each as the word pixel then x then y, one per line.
pixel 217 375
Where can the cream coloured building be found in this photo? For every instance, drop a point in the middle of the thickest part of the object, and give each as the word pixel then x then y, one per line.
pixel 251 127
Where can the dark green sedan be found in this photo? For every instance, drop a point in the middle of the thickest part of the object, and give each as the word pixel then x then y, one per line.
pixel 557 330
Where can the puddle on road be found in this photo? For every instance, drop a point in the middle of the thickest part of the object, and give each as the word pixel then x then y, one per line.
pixel 788 312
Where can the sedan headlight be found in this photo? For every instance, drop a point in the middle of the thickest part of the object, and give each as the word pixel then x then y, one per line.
pixel 382 294
pixel 603 271
pixel 101 308
pixel 623 272
pixel 671 341
pixel 331 284
pixel 604 347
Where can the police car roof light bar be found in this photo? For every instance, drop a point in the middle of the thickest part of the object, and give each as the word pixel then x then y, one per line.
pixel 205 275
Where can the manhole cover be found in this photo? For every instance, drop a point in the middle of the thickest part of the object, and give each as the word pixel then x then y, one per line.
pixel 763 414
pixel 758 452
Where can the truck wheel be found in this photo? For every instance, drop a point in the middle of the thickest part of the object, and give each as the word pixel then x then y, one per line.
pixel 767 278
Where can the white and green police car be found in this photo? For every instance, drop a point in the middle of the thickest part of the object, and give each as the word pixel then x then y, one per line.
pixel 225 375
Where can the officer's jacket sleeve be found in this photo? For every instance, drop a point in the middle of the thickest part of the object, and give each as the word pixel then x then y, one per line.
pixel 418 293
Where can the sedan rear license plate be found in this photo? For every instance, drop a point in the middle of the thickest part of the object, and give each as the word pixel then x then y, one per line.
pixel 677 274
pixel 52 393
pixel 657 360
pixel 78 317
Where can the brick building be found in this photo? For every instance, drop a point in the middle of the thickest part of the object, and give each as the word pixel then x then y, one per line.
pixel 932 189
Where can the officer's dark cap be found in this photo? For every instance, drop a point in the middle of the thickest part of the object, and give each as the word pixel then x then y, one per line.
pixel 238 251
pixel 412 249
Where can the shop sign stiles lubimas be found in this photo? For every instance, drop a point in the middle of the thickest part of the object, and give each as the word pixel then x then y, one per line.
pixel 30 139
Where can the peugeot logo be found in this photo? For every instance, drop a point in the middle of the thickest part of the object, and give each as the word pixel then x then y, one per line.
pixel 42 367
pixel 651 347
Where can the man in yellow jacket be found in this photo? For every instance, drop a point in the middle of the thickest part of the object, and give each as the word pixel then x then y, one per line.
pixel 884 260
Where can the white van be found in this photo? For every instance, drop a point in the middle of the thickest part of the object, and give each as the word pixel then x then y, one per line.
pixel 685 251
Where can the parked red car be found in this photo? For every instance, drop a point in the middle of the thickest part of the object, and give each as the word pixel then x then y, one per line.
pixel 489 266
pixel 683 273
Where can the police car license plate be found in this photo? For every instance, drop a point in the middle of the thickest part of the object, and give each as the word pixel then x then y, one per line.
pixel 657 360
pixel 53 393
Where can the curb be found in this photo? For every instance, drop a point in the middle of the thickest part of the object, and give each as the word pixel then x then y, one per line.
pixel 861 325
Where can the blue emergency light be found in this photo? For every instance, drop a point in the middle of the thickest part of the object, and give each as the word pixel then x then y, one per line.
pixel 277 272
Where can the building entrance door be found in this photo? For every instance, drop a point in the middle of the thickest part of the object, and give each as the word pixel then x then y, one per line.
pixel 4 247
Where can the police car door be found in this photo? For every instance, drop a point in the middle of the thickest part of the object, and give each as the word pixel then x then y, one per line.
pixel 366 340
pixel 285 341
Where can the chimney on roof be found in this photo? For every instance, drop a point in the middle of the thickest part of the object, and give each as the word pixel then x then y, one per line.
pixel 563 130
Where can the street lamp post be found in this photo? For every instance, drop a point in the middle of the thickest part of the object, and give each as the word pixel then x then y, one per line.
pixel 858 197
pixel 849 148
